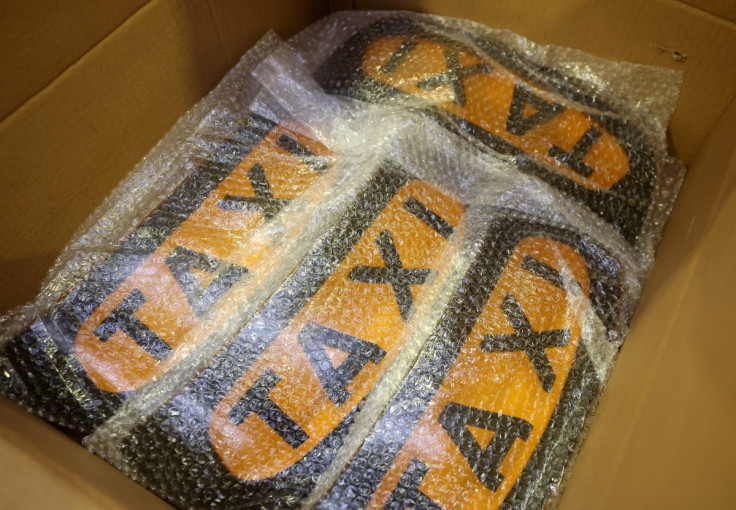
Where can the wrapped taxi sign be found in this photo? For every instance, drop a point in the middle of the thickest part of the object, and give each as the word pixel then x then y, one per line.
pixel 548 124
pixel 170 284
pixel 266 417
pixel 491 412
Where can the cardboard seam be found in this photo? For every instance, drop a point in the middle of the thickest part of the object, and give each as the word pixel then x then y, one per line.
pixel 716 125
pixel 220 37
pixel 72 64
pixel 726 178
pixel 731 22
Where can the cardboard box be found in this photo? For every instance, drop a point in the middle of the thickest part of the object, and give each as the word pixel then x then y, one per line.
pixel 90 87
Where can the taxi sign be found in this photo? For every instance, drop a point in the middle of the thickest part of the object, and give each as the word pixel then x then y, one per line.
pixel 265 419
pixel 165 289
pixel 555 131
pixel 500 392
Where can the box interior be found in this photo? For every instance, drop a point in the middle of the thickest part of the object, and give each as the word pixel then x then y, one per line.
pixel 95 86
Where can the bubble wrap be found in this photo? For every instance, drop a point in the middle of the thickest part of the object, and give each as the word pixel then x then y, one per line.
pixel 266 417
pixel 594 130
pixel 493 408
pixel 352 278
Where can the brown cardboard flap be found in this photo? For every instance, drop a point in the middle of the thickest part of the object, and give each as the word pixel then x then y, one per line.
pixel 725 9
pixel 42 468
pixel 236 19
pixel 41 39
pixel 69 145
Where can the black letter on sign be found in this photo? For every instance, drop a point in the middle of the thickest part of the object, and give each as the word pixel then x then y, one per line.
pixel 394 274
pixel 518 124
pixel 544 271
pixel 256 401
pixel 454 76
pixel 532 343
pixel 455 419
pixel 407 493
pixel 428 217
pixel 182 260
pixel 309 158
pixel 574 158
pixel 123 318
pixel 398 56
pixel 264 201
pixel 334 380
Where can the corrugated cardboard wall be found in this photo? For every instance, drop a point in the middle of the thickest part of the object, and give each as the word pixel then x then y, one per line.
pixel 41 39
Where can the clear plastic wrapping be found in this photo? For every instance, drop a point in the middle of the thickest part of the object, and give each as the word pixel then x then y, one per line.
pixel 389 264
pixel 496 402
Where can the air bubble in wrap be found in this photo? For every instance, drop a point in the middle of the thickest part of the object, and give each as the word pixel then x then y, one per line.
pixel 494 406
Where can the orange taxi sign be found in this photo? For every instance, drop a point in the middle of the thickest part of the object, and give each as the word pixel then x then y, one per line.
pixel 167 287
pixel 552 129
pixel 502 375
